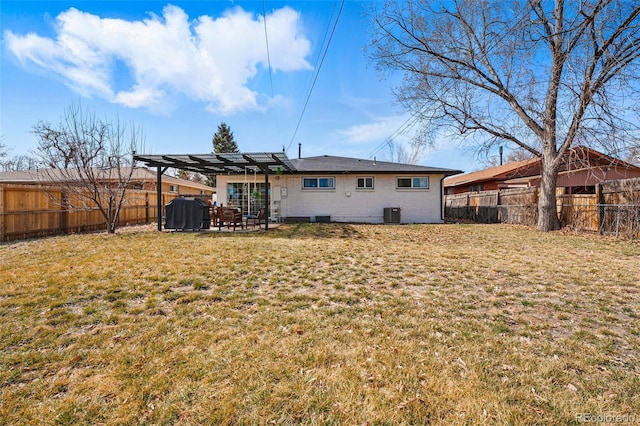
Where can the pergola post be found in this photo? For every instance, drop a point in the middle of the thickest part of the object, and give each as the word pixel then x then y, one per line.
pixel 267 212
pixel 159 195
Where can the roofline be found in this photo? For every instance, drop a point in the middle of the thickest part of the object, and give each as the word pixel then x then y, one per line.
pixel 591 153
pixel 445 172
pixel 35 179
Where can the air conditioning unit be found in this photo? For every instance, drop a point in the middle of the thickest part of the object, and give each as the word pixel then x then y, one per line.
pixel 391 215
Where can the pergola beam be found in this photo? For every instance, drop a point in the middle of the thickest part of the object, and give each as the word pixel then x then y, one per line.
pixel 219 163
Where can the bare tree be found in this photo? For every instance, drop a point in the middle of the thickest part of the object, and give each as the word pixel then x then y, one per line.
pixel 633 156
pixel 19 162
pixel 190 176
pixel 3 152
pixel 184 174
pixel 539 75
pixel 90 160
pixel 511 156
pixel 15 163
pixel 409 153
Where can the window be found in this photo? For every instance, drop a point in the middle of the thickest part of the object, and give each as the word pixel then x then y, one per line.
pixel 318 183
pixel 173 188
pixel 364 183
pixel 248 197
pixel 412 182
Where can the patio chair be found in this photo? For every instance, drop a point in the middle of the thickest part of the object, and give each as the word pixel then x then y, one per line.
pixel 256 219
pixel 229 216
pixel 214 213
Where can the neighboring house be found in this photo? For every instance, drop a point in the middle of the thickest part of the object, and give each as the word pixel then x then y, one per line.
pixel 342 189
pixel 583 169
pixel 142 178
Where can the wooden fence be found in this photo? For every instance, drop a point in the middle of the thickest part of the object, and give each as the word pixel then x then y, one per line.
pixel 28 211
pixel 613 209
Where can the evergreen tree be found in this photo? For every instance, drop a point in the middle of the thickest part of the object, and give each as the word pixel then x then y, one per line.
pixel 223 140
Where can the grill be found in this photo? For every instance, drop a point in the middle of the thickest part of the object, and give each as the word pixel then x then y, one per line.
pixel 187 213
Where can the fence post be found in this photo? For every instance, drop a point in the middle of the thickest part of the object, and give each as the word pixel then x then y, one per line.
pixel 64 212
pixel 146 207
pixel 601 207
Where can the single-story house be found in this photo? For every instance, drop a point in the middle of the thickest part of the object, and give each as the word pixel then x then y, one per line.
pixel 142 178
pixel 323 188
pixel 581 171
pixel 343 189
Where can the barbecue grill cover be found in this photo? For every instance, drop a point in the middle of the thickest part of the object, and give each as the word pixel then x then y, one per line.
pixel 186 213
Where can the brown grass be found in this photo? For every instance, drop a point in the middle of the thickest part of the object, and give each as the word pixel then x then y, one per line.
pixel 320 324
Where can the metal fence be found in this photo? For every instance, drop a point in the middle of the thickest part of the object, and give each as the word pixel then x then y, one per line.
pixel 620 219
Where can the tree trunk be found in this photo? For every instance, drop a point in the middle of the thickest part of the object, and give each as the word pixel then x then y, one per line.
pixel 547 207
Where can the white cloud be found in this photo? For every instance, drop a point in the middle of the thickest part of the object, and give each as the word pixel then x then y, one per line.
pixel 377 130
pixel 139 96
pixel 211 60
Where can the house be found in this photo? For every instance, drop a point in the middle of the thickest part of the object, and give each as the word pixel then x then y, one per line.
pixel 323 188
pixel 142 178
pixel 341 189
pixel 581 171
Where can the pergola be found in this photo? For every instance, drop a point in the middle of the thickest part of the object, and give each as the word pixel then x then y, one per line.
pixel 229 163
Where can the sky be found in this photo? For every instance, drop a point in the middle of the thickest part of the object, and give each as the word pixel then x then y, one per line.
pixel 176 70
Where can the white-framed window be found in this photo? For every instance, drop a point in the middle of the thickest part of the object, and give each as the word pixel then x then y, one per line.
pixel 318 183
pixel 364 182
pixel 412 182
pixel 173 188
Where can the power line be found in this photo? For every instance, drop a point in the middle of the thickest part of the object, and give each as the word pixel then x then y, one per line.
pixel 400 130
pixel 315 78
pixel 266 38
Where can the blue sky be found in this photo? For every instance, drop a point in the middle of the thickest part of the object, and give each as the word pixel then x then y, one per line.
pixel 179 69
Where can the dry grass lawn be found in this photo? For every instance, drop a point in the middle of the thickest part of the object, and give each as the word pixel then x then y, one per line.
pixel 320 324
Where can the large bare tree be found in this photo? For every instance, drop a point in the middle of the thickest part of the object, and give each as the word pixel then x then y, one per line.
pixel 3 151
pixel 90 159
pixel 541 75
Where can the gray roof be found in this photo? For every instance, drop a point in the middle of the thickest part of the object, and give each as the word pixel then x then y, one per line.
pixel 332 164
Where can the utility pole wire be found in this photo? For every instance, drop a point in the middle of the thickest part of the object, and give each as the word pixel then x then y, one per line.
pixel 400 130
pixel 315 78
pixel 266 38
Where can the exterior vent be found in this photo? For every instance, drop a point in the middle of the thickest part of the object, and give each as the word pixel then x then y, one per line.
pixel 392 215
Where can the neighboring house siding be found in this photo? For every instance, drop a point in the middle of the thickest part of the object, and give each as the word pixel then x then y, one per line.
pixel 345 202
